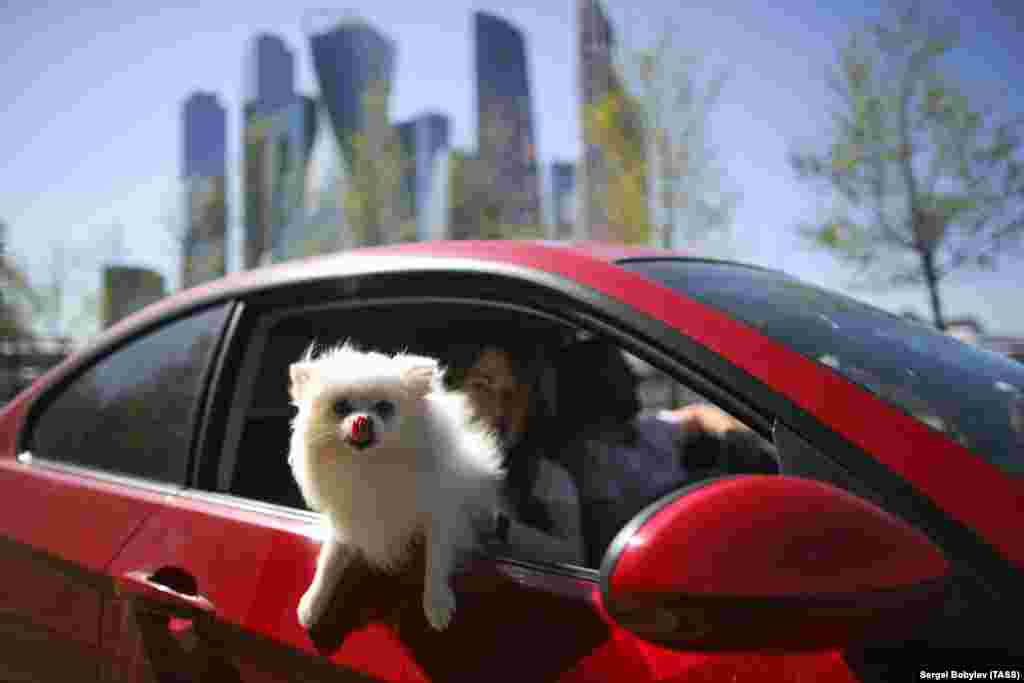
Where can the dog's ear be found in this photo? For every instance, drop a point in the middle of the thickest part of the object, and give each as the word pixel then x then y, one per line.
pixel 300 374
pixel 420 376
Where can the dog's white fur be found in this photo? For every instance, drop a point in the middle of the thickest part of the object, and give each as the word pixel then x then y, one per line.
pixel 432 469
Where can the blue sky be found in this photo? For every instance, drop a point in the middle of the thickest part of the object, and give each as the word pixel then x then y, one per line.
pixel 91 128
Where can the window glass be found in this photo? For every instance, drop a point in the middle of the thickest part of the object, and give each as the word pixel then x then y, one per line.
pixel 657 390
pixel 132 412
pixel 973 395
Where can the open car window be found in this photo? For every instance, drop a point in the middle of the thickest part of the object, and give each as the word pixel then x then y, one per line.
pixel 578 494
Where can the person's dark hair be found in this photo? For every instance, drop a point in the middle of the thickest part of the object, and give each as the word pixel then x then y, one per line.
pixel 596 386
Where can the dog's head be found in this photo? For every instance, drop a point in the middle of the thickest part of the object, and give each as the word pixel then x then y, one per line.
pixel 354 402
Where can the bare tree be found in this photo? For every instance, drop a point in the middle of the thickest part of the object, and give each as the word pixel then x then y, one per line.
pixel 928 182
pixel 677 92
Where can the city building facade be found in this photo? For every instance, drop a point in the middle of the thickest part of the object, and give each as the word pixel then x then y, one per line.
pixel 425 143
pixel 505 127
pixel 204 189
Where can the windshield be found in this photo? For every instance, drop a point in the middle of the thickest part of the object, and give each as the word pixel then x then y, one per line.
pixel 973 395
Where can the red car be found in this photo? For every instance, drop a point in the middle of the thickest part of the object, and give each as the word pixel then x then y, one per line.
pixel 151 529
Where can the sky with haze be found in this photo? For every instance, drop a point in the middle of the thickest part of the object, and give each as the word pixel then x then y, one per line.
pixel 92 131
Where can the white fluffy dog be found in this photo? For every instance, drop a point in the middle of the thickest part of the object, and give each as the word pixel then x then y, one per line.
pixel 385 452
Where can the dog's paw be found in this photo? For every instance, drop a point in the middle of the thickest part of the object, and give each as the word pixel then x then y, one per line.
pixel 311 608
pixel 439 606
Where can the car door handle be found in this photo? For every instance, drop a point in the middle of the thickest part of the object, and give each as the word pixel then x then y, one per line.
pixel 168 591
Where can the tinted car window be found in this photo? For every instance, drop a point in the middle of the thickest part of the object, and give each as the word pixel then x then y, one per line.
pixel 132 412
pixel 973 395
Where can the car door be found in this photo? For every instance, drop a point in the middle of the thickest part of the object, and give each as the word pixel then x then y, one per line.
pixel 102 447
pixel 240 565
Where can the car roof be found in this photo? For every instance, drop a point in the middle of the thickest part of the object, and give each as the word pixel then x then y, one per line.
pixel 560 258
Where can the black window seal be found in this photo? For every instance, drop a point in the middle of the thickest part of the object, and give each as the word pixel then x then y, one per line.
pixel 212 374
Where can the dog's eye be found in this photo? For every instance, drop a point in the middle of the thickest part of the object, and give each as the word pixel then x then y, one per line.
pixel 384 408
pixel 342 407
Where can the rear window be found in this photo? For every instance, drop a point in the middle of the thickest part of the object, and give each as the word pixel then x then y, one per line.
pixel 132 412
pixel 973 395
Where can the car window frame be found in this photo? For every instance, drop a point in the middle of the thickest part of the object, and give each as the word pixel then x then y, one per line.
pixel 258 313
pixel 104 350
pixel 249 350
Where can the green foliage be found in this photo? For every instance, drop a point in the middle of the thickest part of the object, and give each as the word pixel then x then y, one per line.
pixel 612 125
pixel 376 163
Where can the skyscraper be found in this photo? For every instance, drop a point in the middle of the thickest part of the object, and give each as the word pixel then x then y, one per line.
pixel 596 76
pixel 355 65
pixel 204 180
pixel 611 205
pixel 563 199
pixel 204 123
pixel 278 149
pixel 324 229
pixel 279 130
pixel 257 184
pixel 424 142
pixel 353 62
pixel 290 137
pixel 270 75
pixel 505 120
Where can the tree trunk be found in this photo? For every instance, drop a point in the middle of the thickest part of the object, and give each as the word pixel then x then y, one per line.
pixel 928 261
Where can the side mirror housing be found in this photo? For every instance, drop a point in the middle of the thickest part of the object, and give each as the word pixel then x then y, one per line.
pixel 769 563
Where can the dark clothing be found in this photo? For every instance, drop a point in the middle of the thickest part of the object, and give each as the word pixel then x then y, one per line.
pixel 618 470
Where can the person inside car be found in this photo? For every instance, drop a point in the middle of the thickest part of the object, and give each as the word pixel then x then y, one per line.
pixel 510 386
pixel 620 461
pixel 580 460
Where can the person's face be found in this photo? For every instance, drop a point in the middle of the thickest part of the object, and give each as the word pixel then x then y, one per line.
pixel 498 396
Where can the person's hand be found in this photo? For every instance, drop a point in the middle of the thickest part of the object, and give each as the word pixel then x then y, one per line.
pixel 702 418
pixel 711 439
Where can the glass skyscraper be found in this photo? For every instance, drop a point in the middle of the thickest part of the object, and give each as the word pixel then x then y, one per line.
pixel 204 185
pixel 291 136
pixel 563 199
pixel 279 131
pixel 505 119
pixel 270 74
pixel 424 143
pixel 354 65
pixel 324 229
pixel 353 61
pixel 204 124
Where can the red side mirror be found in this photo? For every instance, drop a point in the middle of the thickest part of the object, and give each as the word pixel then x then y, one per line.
pixel 767 562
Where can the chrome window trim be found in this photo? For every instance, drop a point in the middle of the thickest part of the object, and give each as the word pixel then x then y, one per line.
pixel 27 459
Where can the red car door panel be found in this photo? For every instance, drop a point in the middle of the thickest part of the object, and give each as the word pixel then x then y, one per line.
pixel 514 621
pixel 58 533
pixel 253 567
